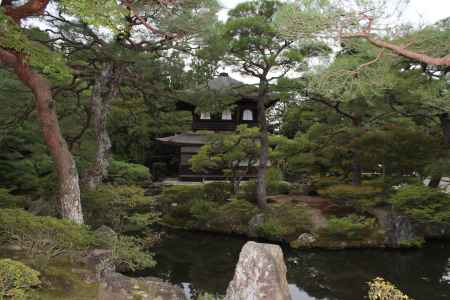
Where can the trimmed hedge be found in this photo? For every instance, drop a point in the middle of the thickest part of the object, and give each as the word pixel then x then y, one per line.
pixel 422 203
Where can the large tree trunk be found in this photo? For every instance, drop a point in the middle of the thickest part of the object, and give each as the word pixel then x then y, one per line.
pixel 261 189
pixel 105 89
pixel 69 191
pixel 356 156
pixel 445 125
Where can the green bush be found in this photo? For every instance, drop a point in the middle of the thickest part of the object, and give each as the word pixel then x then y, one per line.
pixel 42 237
pixel 284 222
pixel 128 254
pixel 323 182
pixel 274 174
pixel 181 193
pixel 248 189
pixel 238 212
pixel 16 280
pixel 278 187
pixel 359 197
pixel 125 173
pixel 352 227
pixel 204 211
pixel 123 208
pixel 422 203
pixel 217 191
pixel 7 200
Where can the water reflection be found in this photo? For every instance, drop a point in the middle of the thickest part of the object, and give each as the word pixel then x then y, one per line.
pixel 205 263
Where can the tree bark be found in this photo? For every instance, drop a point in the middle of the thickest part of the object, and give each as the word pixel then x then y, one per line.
pixel 445 126
pixel 261 189
pixel 356 156
pixel 69 203
pixel 104 90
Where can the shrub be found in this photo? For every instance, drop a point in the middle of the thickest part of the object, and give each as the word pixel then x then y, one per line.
pixel 123 208
pixel 323 182
pixel 422 203
pixel 360 197
pixel 16 279
pixel 274 174
pixel 181 194
pixel 248 189
pixel 42 237
pixel 204 211
pixel 278 187
pixel 235 216
pixel 125 173
pixel 379 289
pixel 7 200
pixel 352 227
pixel 284 222
pixel 217 191
pixel 128 254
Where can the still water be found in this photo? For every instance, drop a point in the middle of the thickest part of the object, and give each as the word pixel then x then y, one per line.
pixel 202 262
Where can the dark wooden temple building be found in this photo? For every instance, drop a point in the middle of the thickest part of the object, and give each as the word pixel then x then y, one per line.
pixel 244 111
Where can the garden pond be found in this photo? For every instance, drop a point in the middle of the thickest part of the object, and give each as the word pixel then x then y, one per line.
pixel 202 262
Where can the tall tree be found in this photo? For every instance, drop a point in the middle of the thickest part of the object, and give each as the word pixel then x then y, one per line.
pixel 254 48
pixel 14 56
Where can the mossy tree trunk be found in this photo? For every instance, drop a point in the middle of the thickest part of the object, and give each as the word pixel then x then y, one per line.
pixel 104 91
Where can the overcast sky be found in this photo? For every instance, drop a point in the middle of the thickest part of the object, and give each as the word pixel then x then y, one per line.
pixel 418 12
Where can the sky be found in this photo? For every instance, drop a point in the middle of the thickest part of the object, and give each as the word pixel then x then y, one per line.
pixel 418 11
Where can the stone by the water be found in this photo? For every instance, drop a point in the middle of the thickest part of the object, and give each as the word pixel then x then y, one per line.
pixel 260 274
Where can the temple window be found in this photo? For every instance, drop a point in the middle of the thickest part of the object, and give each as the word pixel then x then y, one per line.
pixel 205 116
pixel 226 115
pixel 247 115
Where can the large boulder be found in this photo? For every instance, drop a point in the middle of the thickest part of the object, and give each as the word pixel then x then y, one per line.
pixel 115 286
pixel 399 230
pixel 260 274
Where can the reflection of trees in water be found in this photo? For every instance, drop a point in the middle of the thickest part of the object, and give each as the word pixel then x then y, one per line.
pixel 344 274
pixel 207 263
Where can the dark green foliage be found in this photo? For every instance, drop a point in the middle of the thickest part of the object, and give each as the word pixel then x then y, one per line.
pixel 352 227
pixel 128 254
pixel 25 166
pixel 123 208
pixel 8 200
pixel 360 197
pixel 204 206
pixel 248 189
pixel 285 222
pixel 232 217
pixel 235 215
pixel 16 280
pixel 423 204
pixel 278 187
pixel 204 211
pixel 42 238
pixel 217 191
pixel 323 182
pixel 159 170
pixel 121 172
